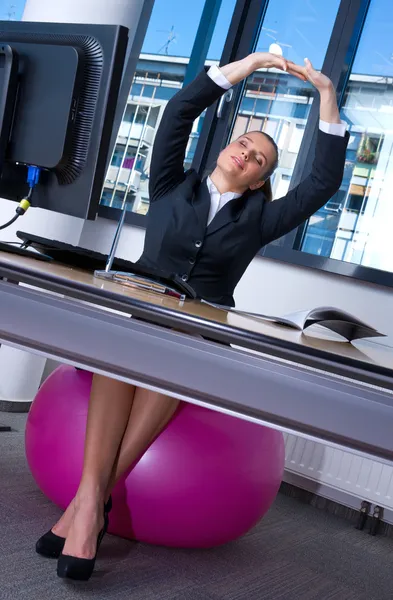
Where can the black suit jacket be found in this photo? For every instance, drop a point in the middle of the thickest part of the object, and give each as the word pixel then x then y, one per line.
pixel 213 258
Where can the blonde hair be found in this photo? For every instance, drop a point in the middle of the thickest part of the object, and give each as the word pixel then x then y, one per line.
pixel 267 190
pixel 267 186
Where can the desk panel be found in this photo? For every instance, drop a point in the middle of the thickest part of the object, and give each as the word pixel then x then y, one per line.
pixel 289 396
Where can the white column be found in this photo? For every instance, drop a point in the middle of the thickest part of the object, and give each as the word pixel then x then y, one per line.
pixel 21 372
pixel 98 12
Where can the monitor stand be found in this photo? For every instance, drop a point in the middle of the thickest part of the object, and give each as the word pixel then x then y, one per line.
pixel 107 273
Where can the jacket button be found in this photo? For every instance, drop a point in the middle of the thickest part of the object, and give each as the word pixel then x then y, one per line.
pixel 192 261
pixel 198 244
pixel 184 277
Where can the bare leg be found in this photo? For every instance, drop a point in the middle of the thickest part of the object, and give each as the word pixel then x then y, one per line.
pixel 148 413
pixel 109 413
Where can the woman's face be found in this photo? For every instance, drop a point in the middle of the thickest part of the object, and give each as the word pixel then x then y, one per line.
pixel 245 161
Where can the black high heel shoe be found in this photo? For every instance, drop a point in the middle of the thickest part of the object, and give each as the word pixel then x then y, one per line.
pixel 81 569
pixel 51 545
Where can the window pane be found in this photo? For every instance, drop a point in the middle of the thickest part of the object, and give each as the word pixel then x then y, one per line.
pixel 159 75
pixel 221 30
pixel 356 225
pixel 11 10
pixel 275 102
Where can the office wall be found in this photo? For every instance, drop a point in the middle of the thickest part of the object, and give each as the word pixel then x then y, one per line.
pixel 279 288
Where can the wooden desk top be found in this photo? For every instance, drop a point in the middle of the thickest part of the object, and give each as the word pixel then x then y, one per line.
pixel 193 316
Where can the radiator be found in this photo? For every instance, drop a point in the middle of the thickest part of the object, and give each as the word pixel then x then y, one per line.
pixel 358 477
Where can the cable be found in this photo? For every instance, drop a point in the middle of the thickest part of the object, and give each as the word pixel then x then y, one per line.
pixel 33 176
pixel 19 243
pixel 9 222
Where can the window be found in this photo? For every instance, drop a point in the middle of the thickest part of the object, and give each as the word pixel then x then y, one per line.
pixel 12 10
pixel 356 225
pixel 160 74
pixel 274 102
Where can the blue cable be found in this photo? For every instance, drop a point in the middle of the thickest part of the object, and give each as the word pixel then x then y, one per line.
pixel 33 175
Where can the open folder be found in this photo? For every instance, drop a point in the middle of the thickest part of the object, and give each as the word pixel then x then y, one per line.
pixel 335 319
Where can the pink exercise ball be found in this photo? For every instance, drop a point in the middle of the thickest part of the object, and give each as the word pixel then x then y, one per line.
pixel 206 480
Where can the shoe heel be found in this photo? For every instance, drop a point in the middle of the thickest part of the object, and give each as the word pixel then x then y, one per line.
pixel 78 569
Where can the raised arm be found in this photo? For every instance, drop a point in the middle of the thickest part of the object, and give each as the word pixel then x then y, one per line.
pixel 281 216
pixel 166 170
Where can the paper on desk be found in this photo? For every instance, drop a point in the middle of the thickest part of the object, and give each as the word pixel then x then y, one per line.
pixel 334 319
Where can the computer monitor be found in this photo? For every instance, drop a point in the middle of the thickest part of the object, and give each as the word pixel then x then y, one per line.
pixel 59 85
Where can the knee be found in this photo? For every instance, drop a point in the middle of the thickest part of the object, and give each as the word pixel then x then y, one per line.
pixel 109 386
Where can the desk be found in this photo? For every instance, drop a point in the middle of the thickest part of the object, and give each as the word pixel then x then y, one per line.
pixel 331 391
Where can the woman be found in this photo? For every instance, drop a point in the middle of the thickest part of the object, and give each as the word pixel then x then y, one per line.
pixel 207 231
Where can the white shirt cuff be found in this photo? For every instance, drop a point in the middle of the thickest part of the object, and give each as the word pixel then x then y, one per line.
pixel 333 128
pixel 216 75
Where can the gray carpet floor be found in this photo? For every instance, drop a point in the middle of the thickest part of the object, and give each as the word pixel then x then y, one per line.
pixel 296 553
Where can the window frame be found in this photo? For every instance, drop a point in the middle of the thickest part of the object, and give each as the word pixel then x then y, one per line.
pixel 340 55
pixel 338 62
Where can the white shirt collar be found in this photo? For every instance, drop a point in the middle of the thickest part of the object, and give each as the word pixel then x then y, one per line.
pixel 217 200
pixel 226 197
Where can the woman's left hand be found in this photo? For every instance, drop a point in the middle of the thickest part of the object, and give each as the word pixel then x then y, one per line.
pixel 307 73
pixel 328 111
